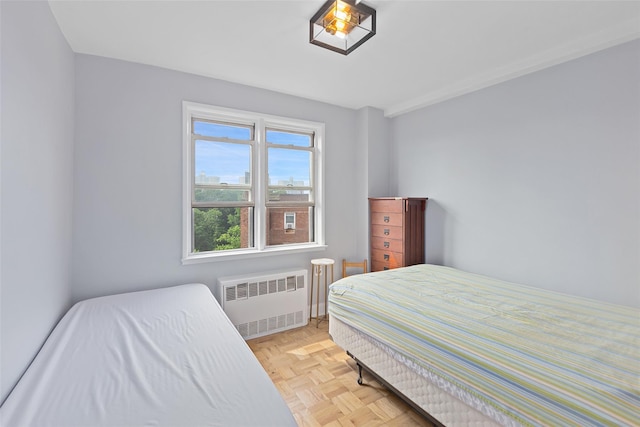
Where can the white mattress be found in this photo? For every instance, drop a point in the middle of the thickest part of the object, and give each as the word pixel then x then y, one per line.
pixel 407 379
pixel 164 357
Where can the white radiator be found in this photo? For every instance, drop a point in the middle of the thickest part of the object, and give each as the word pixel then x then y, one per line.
pixel 266 303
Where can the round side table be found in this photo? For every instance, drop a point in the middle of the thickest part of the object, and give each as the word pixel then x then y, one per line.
pixel 319 268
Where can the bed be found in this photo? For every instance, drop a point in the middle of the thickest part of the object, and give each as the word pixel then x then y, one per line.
pixel 165 357
pixel 469 350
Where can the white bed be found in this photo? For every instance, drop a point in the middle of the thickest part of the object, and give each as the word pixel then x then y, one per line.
pixel 163 357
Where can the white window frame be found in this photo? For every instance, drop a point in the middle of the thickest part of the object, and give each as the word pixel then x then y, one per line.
pixel 259 171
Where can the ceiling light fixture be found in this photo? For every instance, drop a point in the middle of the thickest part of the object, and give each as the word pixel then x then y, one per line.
pixel 342 25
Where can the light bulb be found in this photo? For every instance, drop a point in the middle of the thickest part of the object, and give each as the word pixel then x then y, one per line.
pixel 341 14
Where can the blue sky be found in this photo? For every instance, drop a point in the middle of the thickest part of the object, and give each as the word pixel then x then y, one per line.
pixel 230 161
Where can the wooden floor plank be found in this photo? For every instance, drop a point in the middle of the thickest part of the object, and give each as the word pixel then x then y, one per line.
pixel 318 381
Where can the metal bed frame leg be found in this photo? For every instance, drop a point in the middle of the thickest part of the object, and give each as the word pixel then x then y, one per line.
pixel 359 373
pixel 378 378
pixel 360 382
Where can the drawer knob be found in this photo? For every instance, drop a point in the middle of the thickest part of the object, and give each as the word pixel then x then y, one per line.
pixel 386 219
pixel 386 231
pixel 386 244
pixel 386 257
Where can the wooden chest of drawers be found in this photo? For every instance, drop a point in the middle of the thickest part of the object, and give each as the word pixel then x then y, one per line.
pixel 396 232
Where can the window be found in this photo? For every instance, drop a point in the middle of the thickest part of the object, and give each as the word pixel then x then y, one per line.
pixel 252 184
pixel 289 220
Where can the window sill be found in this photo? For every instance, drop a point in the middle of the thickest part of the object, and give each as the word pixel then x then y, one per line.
pixel 248 253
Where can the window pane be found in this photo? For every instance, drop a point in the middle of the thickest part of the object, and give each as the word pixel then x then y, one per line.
pixel 221 195
pixel 289 138
pixel 279 234
pixel 220 130
pixel 282 195
pixel 221 162
pixel 218 229
pixel 289 167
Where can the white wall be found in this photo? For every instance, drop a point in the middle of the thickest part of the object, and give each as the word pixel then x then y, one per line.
pixel 37 83
pixel 536 180
pixel 378 153
pixel 128 175
pixel 360 167
pixel 372 170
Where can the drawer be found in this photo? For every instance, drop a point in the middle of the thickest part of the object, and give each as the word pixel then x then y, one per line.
pixel 388 258
pixel 386 218
pixel 380 266
pixel 391 205
pixel 392 245
pixel 388 231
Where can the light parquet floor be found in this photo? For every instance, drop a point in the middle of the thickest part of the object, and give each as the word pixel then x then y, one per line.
pixel 318 381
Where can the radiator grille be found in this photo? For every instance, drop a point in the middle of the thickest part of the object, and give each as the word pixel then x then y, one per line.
pixel 265 303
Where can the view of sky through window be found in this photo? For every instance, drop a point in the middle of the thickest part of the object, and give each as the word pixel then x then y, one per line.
pixel 223 162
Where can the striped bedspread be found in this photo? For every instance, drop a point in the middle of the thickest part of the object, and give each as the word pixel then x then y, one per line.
pixel 531 356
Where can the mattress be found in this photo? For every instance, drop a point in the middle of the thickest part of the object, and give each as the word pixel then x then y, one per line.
pixel 519 355
pixel 166 357
pixel 405 378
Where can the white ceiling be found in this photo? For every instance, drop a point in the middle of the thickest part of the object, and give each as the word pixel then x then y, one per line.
pixel 424 51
